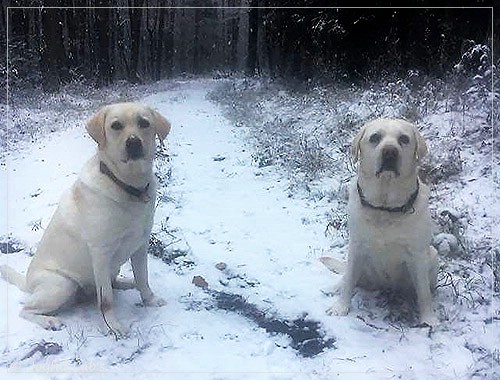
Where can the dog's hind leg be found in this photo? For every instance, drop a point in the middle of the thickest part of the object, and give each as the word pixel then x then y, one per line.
pixel 50 292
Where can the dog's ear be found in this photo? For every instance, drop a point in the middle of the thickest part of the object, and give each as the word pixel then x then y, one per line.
pixel 421 146
pixel 355 147
pixel 95 127
pixel 162 125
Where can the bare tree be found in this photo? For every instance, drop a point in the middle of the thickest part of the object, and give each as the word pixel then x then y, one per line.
pixel 169 40
pixel 135 14
pixel 53 60
pixel 253 24
pixel 104 71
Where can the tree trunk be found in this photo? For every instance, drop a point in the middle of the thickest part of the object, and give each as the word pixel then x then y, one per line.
pixel 252 64
pixel 104 71
pixel 135 15
pixel 160 42
pixel 168 67
pixel 196 41
pixel 234 38
pixel 53 62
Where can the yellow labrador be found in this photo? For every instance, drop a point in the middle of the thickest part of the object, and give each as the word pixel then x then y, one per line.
pixel 389 219
pixel 103 220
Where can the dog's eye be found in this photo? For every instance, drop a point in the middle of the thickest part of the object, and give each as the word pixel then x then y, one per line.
pixel 116 125
pixel 404 140
pixel 375 138
pixel 143 123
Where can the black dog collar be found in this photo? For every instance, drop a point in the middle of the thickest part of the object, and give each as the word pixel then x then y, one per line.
pixel 134 191
pixel 407 207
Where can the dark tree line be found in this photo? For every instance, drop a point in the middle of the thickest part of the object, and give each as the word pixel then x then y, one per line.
pixel 141 40
pixel 371 41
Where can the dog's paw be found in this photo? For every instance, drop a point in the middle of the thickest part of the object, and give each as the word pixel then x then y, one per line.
pixel 48 322
pixel 338 309
pixel 52 323
pixel 429 320
pixel 154 301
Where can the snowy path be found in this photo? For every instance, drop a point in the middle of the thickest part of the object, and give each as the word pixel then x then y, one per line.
pixel 228 209
pixel 224 209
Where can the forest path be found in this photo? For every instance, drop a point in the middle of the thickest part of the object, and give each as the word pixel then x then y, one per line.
pixel 231 210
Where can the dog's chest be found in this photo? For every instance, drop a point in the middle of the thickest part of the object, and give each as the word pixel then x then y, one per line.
pixel 384 234
pixel 383 254
pixel 387 245
pixel 133 226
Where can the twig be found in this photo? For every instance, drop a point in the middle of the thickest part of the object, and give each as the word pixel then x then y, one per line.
pixel 110 329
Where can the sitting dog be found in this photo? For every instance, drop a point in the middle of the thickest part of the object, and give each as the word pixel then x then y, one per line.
pixel 389 219
pixel 103 220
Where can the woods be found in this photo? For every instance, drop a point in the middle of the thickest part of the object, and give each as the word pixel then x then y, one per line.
pixel 138 41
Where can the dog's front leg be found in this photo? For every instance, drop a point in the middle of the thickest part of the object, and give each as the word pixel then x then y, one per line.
pixel 101 261
pixel 419 269
pixel 139 261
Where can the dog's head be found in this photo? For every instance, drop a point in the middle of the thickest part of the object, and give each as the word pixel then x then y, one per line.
pixel 388 147
pixel 126 131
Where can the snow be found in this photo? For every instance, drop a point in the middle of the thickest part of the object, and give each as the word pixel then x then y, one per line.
pixel 217 205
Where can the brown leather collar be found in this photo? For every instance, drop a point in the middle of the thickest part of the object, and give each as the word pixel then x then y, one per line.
pixel 407 207
pixel 140 194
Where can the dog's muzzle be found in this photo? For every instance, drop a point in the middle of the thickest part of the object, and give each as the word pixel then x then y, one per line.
pixel 134 148
pixel 390 161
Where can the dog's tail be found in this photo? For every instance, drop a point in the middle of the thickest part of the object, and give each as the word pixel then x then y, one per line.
pixel 14 277
pixel 332 264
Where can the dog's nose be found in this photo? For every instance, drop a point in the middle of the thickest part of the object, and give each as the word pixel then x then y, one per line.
pixel 134 147
pixel 390 160
pixel 390 153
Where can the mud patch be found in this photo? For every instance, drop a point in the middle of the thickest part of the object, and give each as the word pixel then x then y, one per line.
pixel 306 335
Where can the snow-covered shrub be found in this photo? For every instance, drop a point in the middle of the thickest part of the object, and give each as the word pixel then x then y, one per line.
pixel 475 70
pixel 495 264
pixel 281 142
pixel 446 244
pixel 450 239
pixel 274 141
pixel 337 223
pixel 169 245
pixel 474 75
pixel 442 165
pixel 410 98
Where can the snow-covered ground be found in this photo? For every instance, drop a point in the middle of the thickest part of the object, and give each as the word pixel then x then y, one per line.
pixel 219 204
